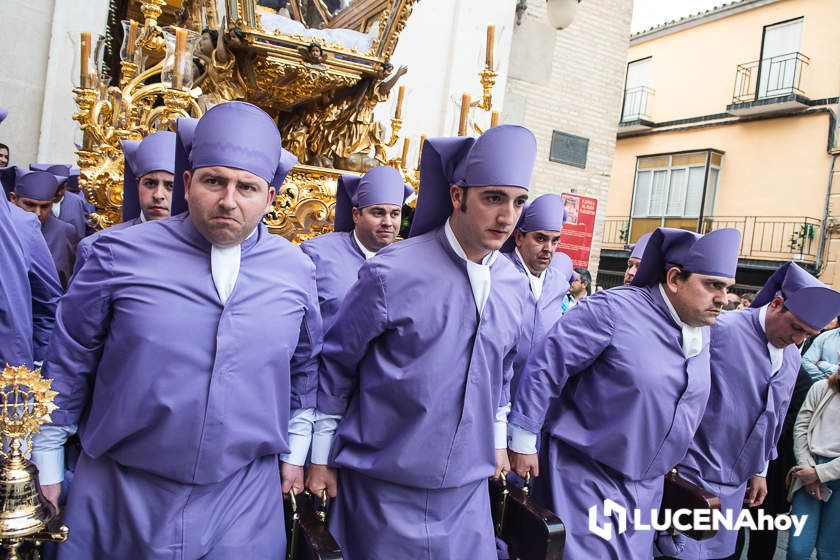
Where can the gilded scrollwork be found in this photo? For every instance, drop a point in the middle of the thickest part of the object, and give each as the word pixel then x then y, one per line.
pixel 321 93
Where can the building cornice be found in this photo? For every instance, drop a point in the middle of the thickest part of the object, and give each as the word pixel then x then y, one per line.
pixel 700 18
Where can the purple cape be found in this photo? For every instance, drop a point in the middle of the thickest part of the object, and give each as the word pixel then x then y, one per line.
pixel 29 290
pixel 62 240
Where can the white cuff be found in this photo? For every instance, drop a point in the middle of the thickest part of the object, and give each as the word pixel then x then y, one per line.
pixel 48 452
pixel 763 473
pixel 521 440
pixel 500 426
pixel 325 427
pixel 300 436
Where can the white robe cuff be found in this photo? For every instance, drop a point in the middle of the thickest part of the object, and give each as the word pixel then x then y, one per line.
pixel 325 427
pixel 300 436
pixel 763 473
pixel 521 440
pixel 500 426
pixel 48 452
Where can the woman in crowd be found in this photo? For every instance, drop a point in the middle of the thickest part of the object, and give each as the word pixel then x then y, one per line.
pixel 815 488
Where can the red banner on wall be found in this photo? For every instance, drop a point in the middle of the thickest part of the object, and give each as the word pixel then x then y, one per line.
pixel 576 237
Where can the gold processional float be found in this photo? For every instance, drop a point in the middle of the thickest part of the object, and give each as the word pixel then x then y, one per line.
pixel 319 73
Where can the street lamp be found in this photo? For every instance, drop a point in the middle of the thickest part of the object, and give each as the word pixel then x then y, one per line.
pixel 561 12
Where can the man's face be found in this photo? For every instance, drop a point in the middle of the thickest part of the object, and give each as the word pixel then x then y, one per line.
pixel 733 298
pixel 537 247
pixel 226 204
pixel 699 298
pixel 4 157
pixel 632 268
pixel 484 217
pixel 59 194
pixel 155 192
pixel 577 287
pixel 377 225
pixel 745 303
pixel 40 208
pixel 783 327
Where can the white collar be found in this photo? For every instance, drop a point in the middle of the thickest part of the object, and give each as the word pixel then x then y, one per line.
pixel 692 337
pixel 368 254
pixel 776 354
pixel 456 246
pixel 56 208
pixel 143 219
pixel 224 267
pixel 479 274
pixel 535 281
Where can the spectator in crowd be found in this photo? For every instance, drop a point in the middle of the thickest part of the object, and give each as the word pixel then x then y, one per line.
pixel 822 357
pixel 815 487
pixel 810 340
pixel 580 288
pixel 4 155
pixel 746 300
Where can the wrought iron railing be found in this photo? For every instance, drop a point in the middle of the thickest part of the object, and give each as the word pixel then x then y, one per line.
pixel 772 237
pixel 616 232
pixel 636 104
pixel 776 238
pixel 769 77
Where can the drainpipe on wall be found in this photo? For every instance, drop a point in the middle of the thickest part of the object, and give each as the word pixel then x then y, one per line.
pixel 824 227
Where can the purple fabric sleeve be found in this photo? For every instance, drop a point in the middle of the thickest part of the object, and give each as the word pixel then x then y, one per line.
pixel 304 364
pixel 81 326
pixel 361 318
pixel 570 347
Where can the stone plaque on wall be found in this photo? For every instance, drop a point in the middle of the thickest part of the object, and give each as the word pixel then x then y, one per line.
pixel 569 149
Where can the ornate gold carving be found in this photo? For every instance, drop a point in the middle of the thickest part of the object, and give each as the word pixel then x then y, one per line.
pixel 305 204
pixel 26 401
pixel 322 95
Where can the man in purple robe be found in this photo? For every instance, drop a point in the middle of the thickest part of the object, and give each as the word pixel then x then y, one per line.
pixel 423 387
pixel 619 386
pixel 368 212
pixel 531 249
pixel 29 288
pixel 69 206
pixel 147 186
pixel 34 192
pixel 181 347
pixel 754 365
pixel 635 258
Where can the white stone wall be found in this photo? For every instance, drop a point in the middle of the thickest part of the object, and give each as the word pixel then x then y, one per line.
pixel 572 81
pixel 443 47
pixel 40 42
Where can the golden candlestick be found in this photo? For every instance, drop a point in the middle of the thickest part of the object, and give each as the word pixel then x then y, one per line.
pixel 151 10
pixel 180 55
pixel 491 40
pixel 488 81
pixel 26 401
pixel 400 99
pixel 494 119
pixel 404 158
pixel 85 79
pixel 396 126
pixel 465 111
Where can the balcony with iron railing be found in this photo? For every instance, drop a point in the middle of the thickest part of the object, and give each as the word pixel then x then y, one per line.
pixel 634 110
pixel 763 238
pixel 769 85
